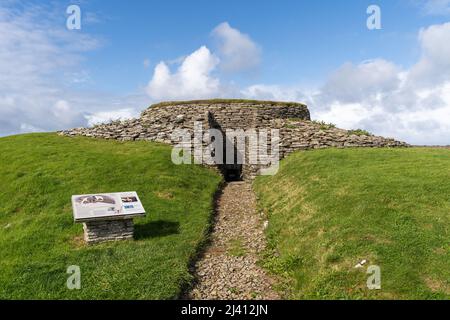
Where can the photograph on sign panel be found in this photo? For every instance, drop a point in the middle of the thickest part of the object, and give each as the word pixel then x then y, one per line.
pixel 129 199
pixel 92 205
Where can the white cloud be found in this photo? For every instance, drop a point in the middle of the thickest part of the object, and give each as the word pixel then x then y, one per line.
pixel 378 95
pixel 193 78
pixel 434 64
pixel 274 92
pixel 31 58
pixel 106 116
pixel 40 62
pixel 64 114
pixel 237 50
pixel 352 83
pixel 412 104
pixel 437 7
pixel 417 126
pixel 198 76
pixel 26 128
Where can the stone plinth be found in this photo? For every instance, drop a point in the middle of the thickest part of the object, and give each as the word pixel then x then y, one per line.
pixel 108 230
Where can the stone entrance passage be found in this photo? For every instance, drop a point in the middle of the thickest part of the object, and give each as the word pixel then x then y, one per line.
pixel 229 269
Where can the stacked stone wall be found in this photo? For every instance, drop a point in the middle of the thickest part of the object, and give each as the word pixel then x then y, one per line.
pixel 297 131
pixel 108 230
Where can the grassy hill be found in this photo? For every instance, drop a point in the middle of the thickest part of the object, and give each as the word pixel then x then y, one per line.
pixel 39 240
pixel 330 209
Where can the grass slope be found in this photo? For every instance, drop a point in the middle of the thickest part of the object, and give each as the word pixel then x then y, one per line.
pixel 39 240
pixel 329 209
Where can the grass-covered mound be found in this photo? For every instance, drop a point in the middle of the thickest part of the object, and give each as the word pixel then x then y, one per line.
pixel 39 240
pixel 330 209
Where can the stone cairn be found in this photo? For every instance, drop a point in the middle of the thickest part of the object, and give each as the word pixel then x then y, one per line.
pixel 297 131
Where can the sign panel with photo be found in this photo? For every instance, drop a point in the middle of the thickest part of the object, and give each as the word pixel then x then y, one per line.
pixel 102 206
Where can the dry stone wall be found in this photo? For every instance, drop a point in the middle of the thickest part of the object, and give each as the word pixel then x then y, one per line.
pixel 297 131
pixel 158 122
pixel 108 230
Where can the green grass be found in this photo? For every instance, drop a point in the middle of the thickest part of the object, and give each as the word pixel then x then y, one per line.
pixel 39 240
pixel 330 209
pixel 324 125
pixel 359 132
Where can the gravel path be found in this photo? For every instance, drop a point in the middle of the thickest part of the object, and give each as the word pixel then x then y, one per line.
pixel 228 268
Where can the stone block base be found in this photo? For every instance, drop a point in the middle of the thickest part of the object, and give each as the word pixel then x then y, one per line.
pixel 108 230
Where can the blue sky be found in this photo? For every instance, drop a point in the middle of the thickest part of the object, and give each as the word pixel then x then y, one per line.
pixel 129 54
pixel 302 41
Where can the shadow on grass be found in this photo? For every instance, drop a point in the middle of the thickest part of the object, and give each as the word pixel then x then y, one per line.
pixel 156 229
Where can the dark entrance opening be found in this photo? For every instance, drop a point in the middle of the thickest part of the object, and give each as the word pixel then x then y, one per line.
pixel 232 168
pixel 232 172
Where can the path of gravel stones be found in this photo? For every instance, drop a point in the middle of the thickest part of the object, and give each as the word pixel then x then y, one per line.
pixel 224 271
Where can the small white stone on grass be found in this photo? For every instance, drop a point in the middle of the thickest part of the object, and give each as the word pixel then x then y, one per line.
pixel 360 265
